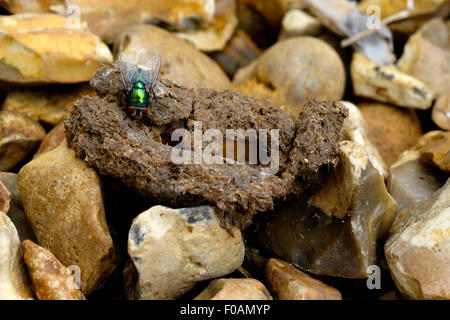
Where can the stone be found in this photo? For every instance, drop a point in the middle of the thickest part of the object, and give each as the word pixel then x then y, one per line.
pixel 418 254
pixel 388 84
pixel 173 249
pixel 293 71
pixel 53 139
pixel 63 202
pixel 21 6
pixel 16 212
pixel 335 233
pixel 49 106
pixel 346 187
pixel 5 198
pixel 417 16
pixel 272 11
pixel 46 48
pixel 434 148
pixel 50 279
pixel 343 18
pixel 298 23
pixel 238 53
pixel 219 30
pixel 412 182
pixel 19 138
pixel 441 112
pixel 107 18
pixel 392 130
pixel 235 289
pixel 14 282
pixel 137 152
pixel 181 61
pixel 426 56
pixel 288 283
pixel 355 129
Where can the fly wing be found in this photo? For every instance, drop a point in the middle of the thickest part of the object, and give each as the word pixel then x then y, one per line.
pixel 127 71
pixel 152 69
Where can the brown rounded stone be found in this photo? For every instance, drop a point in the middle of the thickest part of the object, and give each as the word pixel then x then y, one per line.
pixel 63 201
pixel 392 130
pixel 50 279
pixel 19 137
pixel 52 140
pixel 288 283
pixel 293 71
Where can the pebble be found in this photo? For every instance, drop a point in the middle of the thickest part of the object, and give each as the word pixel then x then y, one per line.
pixel 434 148
pixel 392 130
pixel 107 19
pixel 181 61
pixel 19 138
pixel 335 232
pixel 288 283
pixel 418 254
pixel 14 282
pixel 173 249
pixel 45 48
pixel 412 182
pixel 5 198
pixel 388 84
pixel 293 71
pixel 50 279
pixel 441 112
pixel 53 139
pixel 16 212
pixel 426 56
pixel 215 35
pixel 298 23
pixel 63 202
pixel 235 289
pixel 49 106
pixel 355 129
pixel 418 15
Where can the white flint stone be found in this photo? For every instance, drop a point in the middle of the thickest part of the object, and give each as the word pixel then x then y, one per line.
pixel 388 84
pixel 172 249
pixel 355 129
pixel 14 282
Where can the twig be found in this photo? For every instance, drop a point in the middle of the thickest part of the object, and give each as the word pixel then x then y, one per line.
pixel 388 20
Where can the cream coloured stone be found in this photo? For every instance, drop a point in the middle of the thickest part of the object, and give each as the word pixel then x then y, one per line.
pixel 235 289
pixel 426 55
pixel 355 129
pixel 172 249
pixel 298 23
pixel 388 84
pixel 418 253
pixel 14 282
pixel 216 34
pixel 345 187
pixel 45 48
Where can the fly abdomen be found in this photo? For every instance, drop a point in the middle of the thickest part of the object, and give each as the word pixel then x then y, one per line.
pixel 138 95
